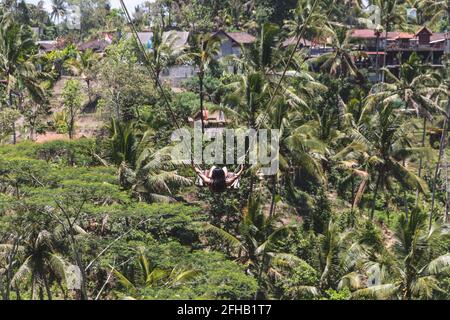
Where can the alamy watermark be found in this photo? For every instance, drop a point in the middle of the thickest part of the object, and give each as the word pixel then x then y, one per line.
pixel 221 146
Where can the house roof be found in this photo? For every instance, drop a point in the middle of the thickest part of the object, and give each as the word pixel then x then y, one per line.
pixel 393 35
pixel 216 116
pixel 423 30
pixel 399 35
pixel 182 38
pixel 237 37
pixel 438 37
pixel 293 40
pixel 146 37
pixel 366 34
pixel 95 45
pixel 242 37
pixel 47 46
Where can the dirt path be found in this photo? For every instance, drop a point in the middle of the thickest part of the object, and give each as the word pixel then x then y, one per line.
pixel 388 237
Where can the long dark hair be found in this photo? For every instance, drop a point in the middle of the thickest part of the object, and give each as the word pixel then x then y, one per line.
pixel 218 180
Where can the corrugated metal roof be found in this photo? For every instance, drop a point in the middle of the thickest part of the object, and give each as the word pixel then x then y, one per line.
pixel 293 40
pixel 146 37
pixel 241 37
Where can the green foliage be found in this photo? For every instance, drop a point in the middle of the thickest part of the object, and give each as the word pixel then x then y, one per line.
pixel 72 99
pixel 301 275
pixel 343 294
pixel 7 118
pixel 357 208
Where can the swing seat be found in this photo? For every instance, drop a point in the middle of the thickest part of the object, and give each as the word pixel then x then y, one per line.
pixel 199 183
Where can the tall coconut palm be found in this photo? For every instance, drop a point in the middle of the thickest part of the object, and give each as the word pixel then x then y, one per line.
pixel 164 51
pixel 16 69
pixel 387 148
pixel 58 10
pixel 149 173
pixel 84 66
pixel 440 9
pixel 203 54
pixel 339 62
pixel 390 16
pixel 414 272
pixel 256 244
pixel 40 263
pixel 306 20
pixel 337 259
pixel 417 88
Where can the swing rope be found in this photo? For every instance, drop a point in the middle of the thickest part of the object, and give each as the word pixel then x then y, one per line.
pixel 149 65
pixel 164 95
pixel 289 61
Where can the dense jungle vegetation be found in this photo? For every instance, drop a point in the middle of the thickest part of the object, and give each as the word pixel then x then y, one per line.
pixel 359 208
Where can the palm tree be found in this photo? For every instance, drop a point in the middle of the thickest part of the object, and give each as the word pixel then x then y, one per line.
pixel 256 244
pixel 41 263
pixel 84 66
pixel 59 10
pixel 337 257
pixel 15 66
pixel 390 16
pixel 338 260
pixel 149 173
pixel 164 51
pixel 306 20
pixel 417 89
pixel 414 272
pixel 153 277
pixel 264 55
pixel 204 53
pixel 440 8
pixel 387 149
pixel 251 93
pixel 339 62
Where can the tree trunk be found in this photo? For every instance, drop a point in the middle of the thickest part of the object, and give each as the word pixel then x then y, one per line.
pixel 201 76
pixel 71 125
pixel 33 285
pixel 424 135
pixel 10 104
pixel 47 288
pixel 443 141
pixel 384 56
pixel 377 62
pixel 14 133
pixel 259 295
pixel 88 83
pixel 274 193
pixel 16 287
pixel 447 191
pixel 79 262
pixel 375 193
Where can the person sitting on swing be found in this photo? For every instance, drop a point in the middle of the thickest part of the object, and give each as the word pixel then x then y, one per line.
pixel 219 179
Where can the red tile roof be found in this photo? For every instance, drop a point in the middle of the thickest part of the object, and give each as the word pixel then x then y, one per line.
pixel 365 34
pixel 423 30
pixel 438 36
pixel 399 35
